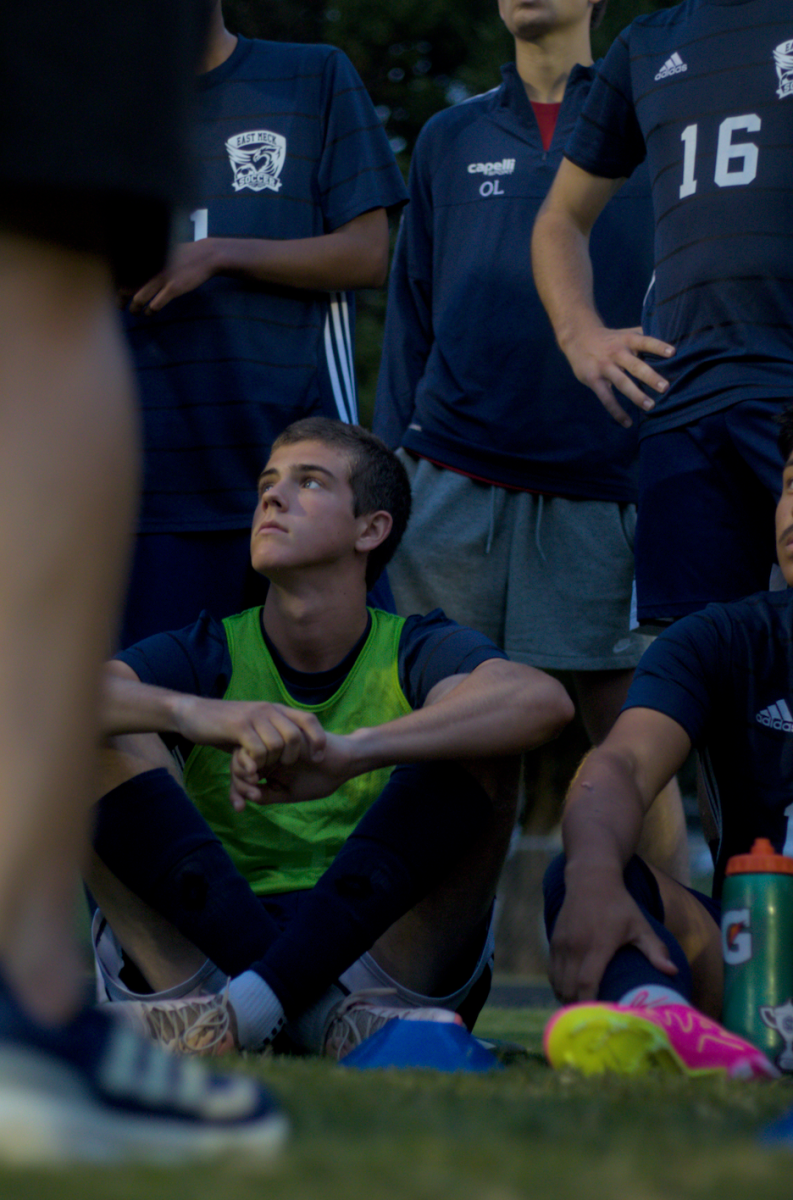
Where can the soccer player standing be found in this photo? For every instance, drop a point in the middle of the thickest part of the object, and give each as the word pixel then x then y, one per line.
pixel 514 475
pixel 704 93
pixel 249 327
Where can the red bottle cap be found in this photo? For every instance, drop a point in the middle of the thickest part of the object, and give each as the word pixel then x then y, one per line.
pixel 763 859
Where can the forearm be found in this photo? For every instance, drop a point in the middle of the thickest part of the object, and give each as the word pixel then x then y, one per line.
pixel 354 256
pixel 603 816
pixel 500 709
pixel 129 706
pixel 563 274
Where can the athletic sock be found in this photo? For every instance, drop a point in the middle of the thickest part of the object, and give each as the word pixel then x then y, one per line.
pixel 258 1010
pixel 152 837
pixel 652 995
pixel 425 819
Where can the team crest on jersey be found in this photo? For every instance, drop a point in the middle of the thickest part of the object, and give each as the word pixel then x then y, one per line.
pixel 257 158
pixel 783 61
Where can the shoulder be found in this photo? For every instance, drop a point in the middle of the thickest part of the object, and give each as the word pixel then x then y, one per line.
pixel 722 642
pixel 194 659
pixel 433 648
pixel 301 63
pixel 659 21
pixel 286 55
pixel 444 127
pixel 749 620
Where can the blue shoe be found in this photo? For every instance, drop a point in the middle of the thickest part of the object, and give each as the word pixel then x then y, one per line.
pixel 94 1091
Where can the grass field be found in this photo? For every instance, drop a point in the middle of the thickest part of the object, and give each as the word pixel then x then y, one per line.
pixel 525 1131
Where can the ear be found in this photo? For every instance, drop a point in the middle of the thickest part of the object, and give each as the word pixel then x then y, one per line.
pixel 374 529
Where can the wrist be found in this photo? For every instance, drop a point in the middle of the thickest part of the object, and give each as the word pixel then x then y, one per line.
pixel 363 746
pixel 239 256
pixel 602 873
pixel 178 707
pixel 576 327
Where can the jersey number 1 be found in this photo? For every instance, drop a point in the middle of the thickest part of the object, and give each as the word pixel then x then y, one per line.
pixel 736 162
pixel 200 219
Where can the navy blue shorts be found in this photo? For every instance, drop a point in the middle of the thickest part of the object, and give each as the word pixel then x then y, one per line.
pixel 707 494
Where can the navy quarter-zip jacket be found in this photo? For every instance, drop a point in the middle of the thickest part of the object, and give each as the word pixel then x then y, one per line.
pixel 471 376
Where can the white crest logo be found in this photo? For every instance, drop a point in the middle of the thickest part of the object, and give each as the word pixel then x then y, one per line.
pixel 781 1020
pixel 257 158
pixel 783 61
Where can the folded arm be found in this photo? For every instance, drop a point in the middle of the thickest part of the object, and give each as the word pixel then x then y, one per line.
pixel 613 789
pixel 498 710
pixel 270 732
pixel 353 256
pixel 602 358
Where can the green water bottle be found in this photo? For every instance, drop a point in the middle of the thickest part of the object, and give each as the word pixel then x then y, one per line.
pixel 757 945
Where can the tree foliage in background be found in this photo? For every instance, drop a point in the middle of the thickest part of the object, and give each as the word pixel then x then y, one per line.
pixel 415 57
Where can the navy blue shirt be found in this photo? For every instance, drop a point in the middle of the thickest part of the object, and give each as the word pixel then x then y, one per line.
pixel 196 660
pixel 471 375
pixel 288 146
pixel 704 92
pixel 726 676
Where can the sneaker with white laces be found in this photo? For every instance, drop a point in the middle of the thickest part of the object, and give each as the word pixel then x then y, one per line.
pixel 359 1016
pixel 93 1091
pixel 201 1025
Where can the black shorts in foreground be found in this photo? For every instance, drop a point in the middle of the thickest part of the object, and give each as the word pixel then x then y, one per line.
pixel 93 122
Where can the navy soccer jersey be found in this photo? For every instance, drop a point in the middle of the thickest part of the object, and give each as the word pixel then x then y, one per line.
pixel 724 675
pixel 289 146
pixel 704 91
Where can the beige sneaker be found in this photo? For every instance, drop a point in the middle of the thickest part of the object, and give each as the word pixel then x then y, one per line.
pixel 200 1024
pixel 358 1017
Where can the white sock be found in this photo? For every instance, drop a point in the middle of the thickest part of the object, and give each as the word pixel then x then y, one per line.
pixel 310 1028
pixel 258 1010
pixel 650 995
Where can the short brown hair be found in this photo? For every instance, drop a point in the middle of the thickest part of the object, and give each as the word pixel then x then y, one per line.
pixel 378 480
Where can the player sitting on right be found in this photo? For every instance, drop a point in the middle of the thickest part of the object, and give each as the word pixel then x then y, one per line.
pixel 623 933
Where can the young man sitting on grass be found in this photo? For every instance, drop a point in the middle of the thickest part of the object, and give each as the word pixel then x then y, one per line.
pixel 623 932
pixel 351 779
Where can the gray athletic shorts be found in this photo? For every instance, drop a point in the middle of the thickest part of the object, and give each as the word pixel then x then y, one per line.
pixel 547 578
pixel 363 974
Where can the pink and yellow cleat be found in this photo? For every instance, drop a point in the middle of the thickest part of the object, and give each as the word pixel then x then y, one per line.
pixel 596 1038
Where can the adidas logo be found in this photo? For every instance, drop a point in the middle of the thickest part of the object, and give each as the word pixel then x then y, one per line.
pixel 672 66
pixel 776 716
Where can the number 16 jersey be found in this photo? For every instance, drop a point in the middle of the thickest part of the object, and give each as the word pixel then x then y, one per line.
pixel 704 91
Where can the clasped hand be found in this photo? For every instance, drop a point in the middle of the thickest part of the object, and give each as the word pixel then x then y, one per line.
pixel 303 778
pixel 288 747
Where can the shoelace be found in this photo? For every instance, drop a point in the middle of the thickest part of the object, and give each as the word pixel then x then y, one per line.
pixel 349 1018
pixel 199 1024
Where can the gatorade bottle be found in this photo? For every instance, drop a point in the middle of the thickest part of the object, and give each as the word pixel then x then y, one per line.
pixel 757 944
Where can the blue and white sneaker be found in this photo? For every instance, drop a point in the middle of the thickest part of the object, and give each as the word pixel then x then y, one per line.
pixel 94 1091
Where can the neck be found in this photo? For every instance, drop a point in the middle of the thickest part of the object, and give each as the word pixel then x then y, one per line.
pixel 220 43
pixel 314 625
pixel 544 65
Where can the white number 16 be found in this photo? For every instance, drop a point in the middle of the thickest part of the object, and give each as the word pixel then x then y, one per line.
pixel 736 162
